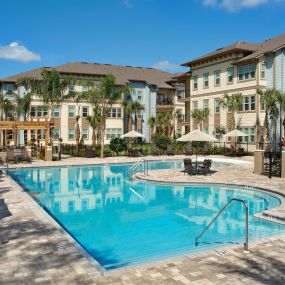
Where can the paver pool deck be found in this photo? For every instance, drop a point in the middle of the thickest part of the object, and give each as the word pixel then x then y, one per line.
pixel 35 250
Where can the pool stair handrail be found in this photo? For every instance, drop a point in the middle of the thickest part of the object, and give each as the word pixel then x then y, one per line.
pixel 220 212
pixel 133 168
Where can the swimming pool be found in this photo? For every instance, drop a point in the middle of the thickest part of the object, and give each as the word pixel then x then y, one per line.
pixel 121 222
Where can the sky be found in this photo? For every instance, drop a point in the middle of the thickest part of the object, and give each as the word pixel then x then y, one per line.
pixel 149 33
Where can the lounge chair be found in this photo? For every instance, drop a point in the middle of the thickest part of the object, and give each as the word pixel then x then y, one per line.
pixel 188 167
pixel 25 156
pixel 206 167
pixel 11 156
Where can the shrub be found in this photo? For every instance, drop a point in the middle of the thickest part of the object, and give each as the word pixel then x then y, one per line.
pixel 161 141
pixel 118 145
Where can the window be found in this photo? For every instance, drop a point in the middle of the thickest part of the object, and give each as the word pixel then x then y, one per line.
pixel 195 105
pixel 240 73
pixel 114 113
pixel 217 77
pixel 140 95
pixel 85 112
pixel 206 80
pixel 248 103
pixel 113 133
pixel 33 111
pixel 71 133
pixel 84 88
pixel 263 70
pixel 85 134
pixel 45 111
pixel 195 82
pixel 217 105
pixel 246 72
pixel 70 88
pixel 71 111
pixel 56 112
pixel 10 88
pixel 262 106
pixel 180 94
pixel 252 68
pixel 230 75
pixel 179 132
pixel 206 130
pixel 139 114
pixel 206 104
pixel 56 133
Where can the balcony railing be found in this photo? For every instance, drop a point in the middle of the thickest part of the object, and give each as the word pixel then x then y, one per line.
pixel 164 102
pixel 183 120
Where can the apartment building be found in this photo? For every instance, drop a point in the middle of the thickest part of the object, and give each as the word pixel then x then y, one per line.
pixel 156 90
pixel 241 67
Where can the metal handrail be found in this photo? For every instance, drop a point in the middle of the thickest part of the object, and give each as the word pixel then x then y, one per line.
pixel 246 222
pixel 143 162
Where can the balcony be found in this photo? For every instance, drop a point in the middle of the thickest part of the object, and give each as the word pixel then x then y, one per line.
pixel 183 120
pixel 164 103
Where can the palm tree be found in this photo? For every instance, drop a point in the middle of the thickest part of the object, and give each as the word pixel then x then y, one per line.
pixel 23 105
pixel 200 115
pixel 94 121
pixel 137 107
pixel 5 107
pixel 163 121
pixel 51 88
pixel 152 123
pixel 128 109
pixel 77 134
pixel 272 100
pixel 105 95
pixel 234 104
pixel 178 115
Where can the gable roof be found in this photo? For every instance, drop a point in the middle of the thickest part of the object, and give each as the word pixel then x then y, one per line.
pixel 266 46
pixel 123 74
pixel 237 46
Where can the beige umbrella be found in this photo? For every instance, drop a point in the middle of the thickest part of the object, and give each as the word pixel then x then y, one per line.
pixel 197 136
pixel 235 133
pixel 133 134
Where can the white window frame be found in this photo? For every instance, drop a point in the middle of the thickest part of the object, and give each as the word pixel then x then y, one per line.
pixel 85 133
pixel 85 114
pixel 195 82
pixel 217 76
pixel 217 106
pixel 195 105
pixel 206 80
pixel 69 108
pixel 56 112
pixel 232 74
pixel 71 131
pixel 71 88
pixel 206 104
pixel 263 70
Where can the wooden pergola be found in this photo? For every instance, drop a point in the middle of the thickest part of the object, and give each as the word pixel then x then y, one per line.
pixel 16 126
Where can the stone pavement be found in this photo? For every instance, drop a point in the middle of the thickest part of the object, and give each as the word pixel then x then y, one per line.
pixel 34 249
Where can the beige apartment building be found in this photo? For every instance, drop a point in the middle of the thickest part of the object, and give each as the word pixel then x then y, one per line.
pixel 156 90
pixel 218 73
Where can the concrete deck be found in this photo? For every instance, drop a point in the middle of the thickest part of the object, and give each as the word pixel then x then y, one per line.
pixel 35 250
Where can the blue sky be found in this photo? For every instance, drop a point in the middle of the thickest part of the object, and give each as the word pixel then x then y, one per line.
pixel 159 33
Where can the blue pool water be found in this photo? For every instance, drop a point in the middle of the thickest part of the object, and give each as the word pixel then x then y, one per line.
pixel 121 222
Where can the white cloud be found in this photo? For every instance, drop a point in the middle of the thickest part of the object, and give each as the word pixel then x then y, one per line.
pixel 17 52
pixel 235 5
pixel 166 65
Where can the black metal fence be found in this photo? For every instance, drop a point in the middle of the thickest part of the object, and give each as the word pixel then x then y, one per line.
pixel 272 163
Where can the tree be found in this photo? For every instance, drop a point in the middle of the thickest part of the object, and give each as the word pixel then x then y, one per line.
pixel 200 115
pixel 234 104
pixel 128 109
pixel 52 88
pixel 152 123
pixel 94 122
pixel 105 95
pixel 273 100
pixel 77 134
pixel 163 122
pixel 5 107
pixel 137 107
pixel 179 115
pixel 23 105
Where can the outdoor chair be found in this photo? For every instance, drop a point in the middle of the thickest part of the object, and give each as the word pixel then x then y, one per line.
pixel 188 167
pixel 169 150
pixel 25 156
pixel 189 150
pixel 206 167
pixel 11 156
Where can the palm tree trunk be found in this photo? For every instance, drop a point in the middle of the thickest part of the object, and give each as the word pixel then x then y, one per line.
pixel 103 127
pixel 265 132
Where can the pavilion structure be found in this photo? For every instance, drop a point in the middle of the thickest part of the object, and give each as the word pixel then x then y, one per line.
pixel 32 125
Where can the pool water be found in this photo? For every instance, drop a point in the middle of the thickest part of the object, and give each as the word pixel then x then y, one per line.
pixel 122 222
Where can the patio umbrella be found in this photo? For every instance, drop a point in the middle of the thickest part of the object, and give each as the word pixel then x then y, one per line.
pixel 235 133
pixel 133 134
pixel 197 136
